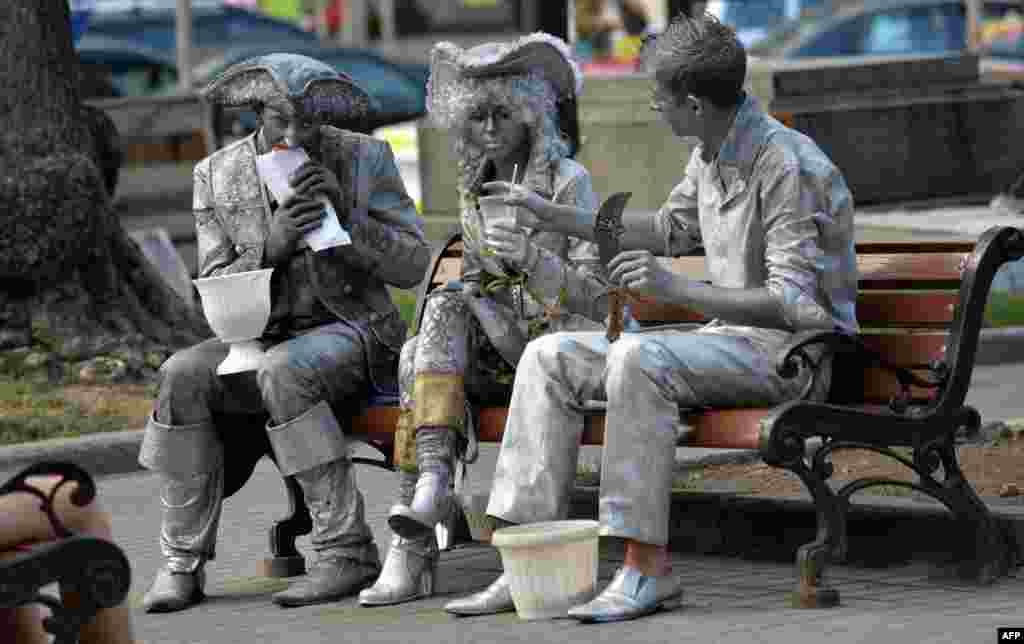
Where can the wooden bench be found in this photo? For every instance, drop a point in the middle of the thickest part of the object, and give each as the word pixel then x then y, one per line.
pixel 95 569
pixel 900 383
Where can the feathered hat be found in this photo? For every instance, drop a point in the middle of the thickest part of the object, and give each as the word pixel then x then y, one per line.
pixel 540 55
pixel 314 87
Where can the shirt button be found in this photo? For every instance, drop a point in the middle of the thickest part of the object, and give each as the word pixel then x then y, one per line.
pixel 347 289
pixel 239 249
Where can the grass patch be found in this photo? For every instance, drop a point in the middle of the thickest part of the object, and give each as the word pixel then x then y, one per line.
pixel 34 411
pixel 1004 309
pixel 888 490
pixel 405 300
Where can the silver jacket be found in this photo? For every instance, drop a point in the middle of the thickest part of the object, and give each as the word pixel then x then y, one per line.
pixel 388 247
pixel 565 270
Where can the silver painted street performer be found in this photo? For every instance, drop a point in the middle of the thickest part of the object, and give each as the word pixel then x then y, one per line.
pixel 775 218
pixel 334 332
pixel 509 106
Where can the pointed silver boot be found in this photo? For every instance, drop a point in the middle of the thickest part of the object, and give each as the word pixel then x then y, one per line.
pixel 496 598
pixel 411 565
pixel 409 572
pixel 346 557
pixel 432 500
pixel 173 591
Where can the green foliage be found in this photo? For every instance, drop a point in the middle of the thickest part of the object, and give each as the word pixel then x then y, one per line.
pixel 888 490
pixel 588 475
pixel 32 411
pixel 1004 309
pixel 405 300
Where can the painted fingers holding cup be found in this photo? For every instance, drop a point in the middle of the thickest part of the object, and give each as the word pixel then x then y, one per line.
pixel 531 207
pixel 640 270
pixel 509 242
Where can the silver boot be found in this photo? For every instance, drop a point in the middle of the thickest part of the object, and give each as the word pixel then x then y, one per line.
pixel 411 565
pixel 496 598
pixel 408 573
pixel 346 557
pixel 174 591
pixel 189 461
pixel 432 500
pixel 313 448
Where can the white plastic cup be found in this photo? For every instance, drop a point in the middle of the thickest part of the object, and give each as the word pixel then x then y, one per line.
pixel 494 210
pixel 551 566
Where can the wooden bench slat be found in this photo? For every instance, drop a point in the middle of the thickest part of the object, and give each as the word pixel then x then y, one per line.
pixel 877 271
pixel 874 308
pixel 918 271
pixel 880 386
pixel 914 349
pixel 874 247
pixel 724 428
pixel 376 423
pixel 906 308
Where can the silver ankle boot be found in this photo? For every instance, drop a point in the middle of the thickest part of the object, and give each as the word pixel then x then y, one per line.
pixel 432 500
pixel 411 564
pixel 408 573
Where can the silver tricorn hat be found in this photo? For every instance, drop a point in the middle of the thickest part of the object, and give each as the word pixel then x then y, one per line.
pixel 303 81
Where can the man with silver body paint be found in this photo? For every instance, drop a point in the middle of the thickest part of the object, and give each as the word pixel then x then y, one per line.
pixel 775 218
pixel 333 336
pixel 507 105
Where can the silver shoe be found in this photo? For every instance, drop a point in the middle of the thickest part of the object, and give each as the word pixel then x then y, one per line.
pixel 496 598
pixel 432 499
pixel 631 595
pixel 331 579
pixel 174 591
pixel 432 503
pixel 408 573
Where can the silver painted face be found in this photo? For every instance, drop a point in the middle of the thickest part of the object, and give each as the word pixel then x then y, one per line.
pixel 499 130
pixel 678 114
pixel 284 125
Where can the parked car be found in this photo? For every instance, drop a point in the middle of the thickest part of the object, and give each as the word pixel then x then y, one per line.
pixel 398 88
pixel 115 68
pixel 755 19
pixel 901 27
pixel 214 28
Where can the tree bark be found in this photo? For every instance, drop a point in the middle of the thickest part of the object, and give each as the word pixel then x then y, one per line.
pixel 73 285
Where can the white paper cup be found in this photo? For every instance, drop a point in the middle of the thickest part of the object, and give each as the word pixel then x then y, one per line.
pixel 494 209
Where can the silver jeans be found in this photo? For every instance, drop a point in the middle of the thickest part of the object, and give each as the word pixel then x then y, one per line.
pixel 326 363
pixel 646 378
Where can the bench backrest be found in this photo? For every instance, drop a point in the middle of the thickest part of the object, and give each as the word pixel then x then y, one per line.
pixel 908 293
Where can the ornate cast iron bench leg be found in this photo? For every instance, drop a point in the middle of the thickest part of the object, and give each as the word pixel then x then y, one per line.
pixel 829 544
pixel 784 448
pixel 93 574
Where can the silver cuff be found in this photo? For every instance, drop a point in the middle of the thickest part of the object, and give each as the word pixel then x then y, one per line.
pixel 641 232
pixel 181 450
pixel 312 439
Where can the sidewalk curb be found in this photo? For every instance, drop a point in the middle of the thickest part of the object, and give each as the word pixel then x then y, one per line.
pixel 100 454
pixel 881 531
pixel 1000 346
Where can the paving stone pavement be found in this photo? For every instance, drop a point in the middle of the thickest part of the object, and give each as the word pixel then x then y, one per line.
pixel 727 599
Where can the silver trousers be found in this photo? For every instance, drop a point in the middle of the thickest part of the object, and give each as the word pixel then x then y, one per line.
pixel 646 379
pixel 296 380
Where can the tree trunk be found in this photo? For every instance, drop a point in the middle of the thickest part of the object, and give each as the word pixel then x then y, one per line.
pixel 73 285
